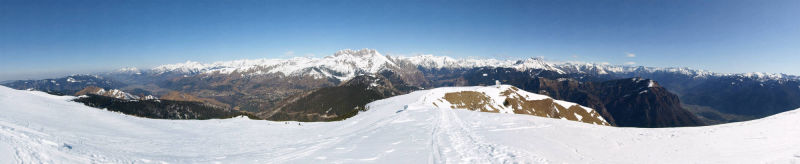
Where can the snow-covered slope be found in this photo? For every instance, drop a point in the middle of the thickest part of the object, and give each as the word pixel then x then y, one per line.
pixel 36 127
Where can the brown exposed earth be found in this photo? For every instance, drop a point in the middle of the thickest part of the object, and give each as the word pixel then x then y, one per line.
pixel 479 101
pixel 470 100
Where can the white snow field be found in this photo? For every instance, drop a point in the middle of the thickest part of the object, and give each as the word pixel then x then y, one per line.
pixel 37 127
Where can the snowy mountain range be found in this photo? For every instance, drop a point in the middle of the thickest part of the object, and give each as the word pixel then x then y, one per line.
pixel 346 64
pixel 342 65
pixel 41 128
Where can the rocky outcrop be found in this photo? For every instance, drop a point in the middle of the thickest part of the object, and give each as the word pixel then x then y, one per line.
pixel 509 99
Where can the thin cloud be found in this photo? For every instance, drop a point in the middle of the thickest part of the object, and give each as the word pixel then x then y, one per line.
pixel 630 63
pixel 630 55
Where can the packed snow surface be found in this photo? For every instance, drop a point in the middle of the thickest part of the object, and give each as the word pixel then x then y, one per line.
pixel 36 127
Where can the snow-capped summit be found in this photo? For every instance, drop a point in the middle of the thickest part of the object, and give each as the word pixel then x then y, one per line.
pixel 535 63
pixel 363 61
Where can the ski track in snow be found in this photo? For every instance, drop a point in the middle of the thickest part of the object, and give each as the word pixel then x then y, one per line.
pixel 40 128
pixel 469 147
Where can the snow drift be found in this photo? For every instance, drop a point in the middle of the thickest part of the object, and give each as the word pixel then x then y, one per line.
pixel 37 127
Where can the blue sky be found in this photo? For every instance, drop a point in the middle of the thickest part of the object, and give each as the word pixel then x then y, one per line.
pixel 51 38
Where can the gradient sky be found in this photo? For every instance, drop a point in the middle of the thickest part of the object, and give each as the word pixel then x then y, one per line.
pixel 52 38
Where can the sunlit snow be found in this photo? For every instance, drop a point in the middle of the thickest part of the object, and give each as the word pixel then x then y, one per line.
pixel 37 127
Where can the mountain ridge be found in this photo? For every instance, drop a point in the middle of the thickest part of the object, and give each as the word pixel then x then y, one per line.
pixel 430 61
